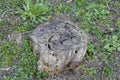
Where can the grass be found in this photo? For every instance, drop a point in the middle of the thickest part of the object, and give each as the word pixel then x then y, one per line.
pixel 34 12
pixel 99 19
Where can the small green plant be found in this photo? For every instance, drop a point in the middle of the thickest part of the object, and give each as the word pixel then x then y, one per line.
pixel 112 43
pixel 22 60
pixel 118 23
pixel 90 71
pixel 63 8
pixel 90 54
pixel 7 54
pixel 36 11
pixel 92 15
pixel 107 71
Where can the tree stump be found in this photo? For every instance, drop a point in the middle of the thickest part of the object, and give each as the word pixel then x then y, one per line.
pixel 60 45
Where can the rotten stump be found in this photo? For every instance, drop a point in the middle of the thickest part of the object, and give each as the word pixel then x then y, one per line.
pixel 60 45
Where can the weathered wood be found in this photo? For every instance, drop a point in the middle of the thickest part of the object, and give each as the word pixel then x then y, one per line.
pixel 60 45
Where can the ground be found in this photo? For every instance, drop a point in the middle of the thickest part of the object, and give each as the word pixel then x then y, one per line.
pixel 100 20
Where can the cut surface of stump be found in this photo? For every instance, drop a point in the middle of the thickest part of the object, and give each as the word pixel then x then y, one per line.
pixel 60 45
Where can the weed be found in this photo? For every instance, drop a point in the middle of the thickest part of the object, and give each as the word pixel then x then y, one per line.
pixel 107 71
pixel 112 43
pixel 34 12
pixel 93 14
pixel 90 71
pixel 90 51
pixel 23 62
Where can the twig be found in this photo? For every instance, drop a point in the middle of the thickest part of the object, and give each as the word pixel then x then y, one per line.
pixel 69 1
pixel 5 69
